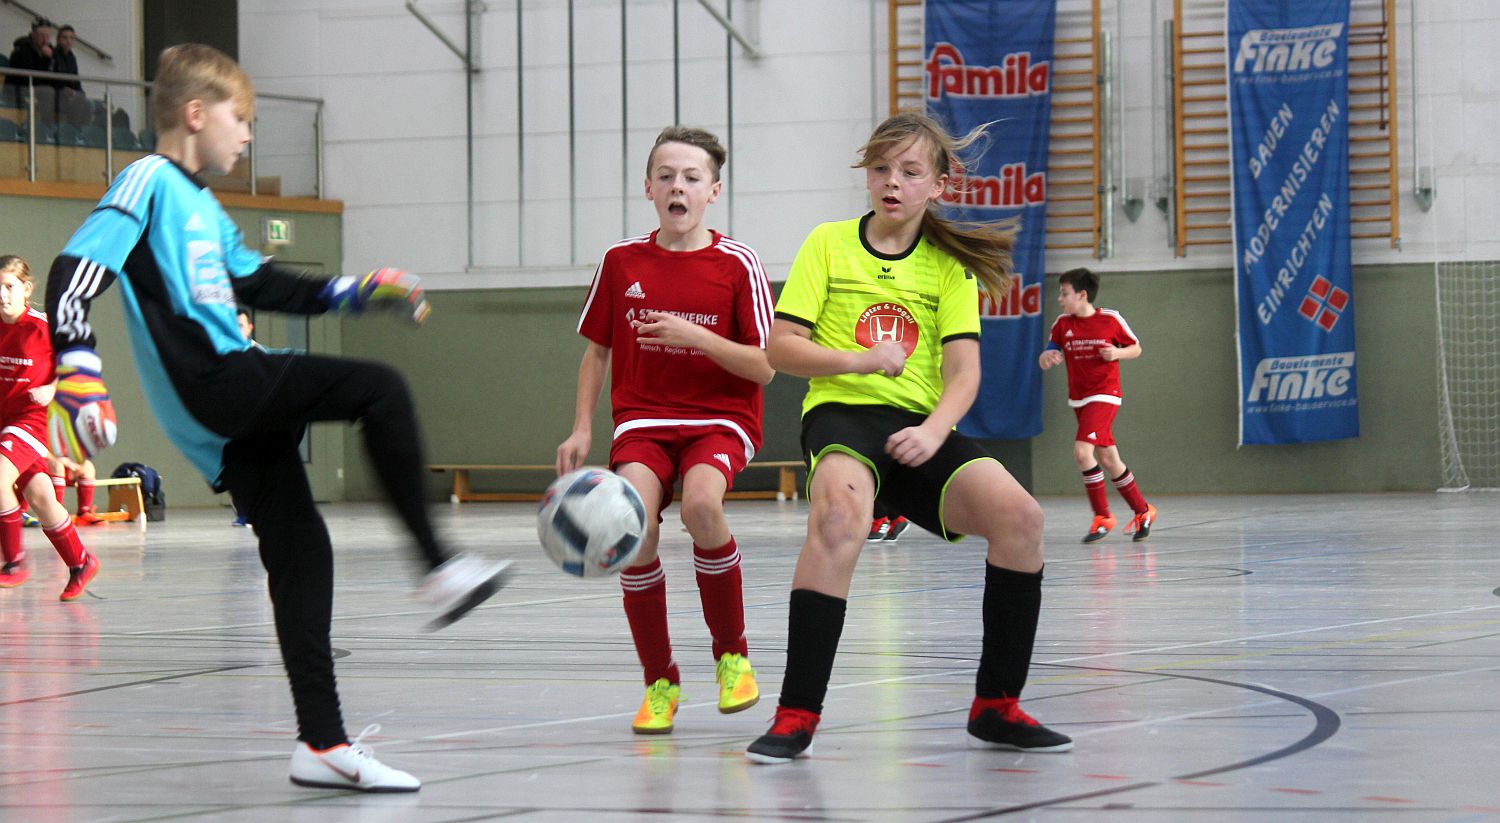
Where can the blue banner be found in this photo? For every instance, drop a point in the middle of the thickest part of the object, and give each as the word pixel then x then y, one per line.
pixel 990 61
pixel 1288 120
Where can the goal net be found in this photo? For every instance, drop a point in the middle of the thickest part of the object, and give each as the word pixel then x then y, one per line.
pixel 1468 298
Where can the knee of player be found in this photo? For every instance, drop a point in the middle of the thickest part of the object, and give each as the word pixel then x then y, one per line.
pixel 1016 522
pixel 1028 520
pixel 701 512
pixel 840 522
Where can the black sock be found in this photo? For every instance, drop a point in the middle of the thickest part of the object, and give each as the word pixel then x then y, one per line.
pixel 814 624
pixel 1012 602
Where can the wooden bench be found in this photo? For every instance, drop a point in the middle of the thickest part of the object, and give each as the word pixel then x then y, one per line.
pixel 124 498
pixel 463 490
pixel 786 483
pixel 464 493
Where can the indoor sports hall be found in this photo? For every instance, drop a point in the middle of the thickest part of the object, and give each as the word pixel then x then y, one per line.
pixel 1308 633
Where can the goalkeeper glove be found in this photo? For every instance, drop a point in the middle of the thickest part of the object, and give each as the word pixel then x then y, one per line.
pixel 392 288
pixel 80 420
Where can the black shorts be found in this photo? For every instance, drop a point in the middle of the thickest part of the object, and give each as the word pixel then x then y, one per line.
pixel 915 492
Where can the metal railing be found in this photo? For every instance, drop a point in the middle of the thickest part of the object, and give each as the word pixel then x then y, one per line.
pixel 285 158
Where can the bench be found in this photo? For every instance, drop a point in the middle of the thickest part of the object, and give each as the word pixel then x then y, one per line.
pixel 463 490
pixel 124 499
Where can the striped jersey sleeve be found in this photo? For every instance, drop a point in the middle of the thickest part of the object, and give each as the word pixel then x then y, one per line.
pixel 753 301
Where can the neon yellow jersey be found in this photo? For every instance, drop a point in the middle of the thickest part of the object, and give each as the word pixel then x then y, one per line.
pixel 853 297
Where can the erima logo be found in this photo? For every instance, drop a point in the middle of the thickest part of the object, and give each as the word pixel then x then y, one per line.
pixel 1283 50
pixel 723 458
pixel 1302 378
pixel 886 269
pixel 636 291
pixel 194 223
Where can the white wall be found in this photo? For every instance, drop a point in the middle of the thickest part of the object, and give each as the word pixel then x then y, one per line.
pixel 395 126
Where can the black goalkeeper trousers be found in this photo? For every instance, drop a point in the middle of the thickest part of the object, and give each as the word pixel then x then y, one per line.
pixel 267 482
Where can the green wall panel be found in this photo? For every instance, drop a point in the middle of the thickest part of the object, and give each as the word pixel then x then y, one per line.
pixel 37 227
pixel 494 376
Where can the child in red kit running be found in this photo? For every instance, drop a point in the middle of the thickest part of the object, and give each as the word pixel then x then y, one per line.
pixel 27 384
pixel 1092 342
pixel 679 319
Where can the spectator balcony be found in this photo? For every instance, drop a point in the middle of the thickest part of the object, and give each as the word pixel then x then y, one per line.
pixel 86 142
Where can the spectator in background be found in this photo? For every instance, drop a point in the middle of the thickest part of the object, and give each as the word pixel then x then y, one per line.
pixel 72 105
pixel 33 52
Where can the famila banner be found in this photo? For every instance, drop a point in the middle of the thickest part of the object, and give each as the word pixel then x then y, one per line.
pixel 990 61
pixel 1288 121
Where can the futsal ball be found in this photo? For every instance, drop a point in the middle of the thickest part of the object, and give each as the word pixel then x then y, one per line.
pixel 591 522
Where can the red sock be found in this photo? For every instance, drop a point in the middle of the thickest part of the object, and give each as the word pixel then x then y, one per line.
pixel 721 589
pixel 85 495
pixel 10 536
pixel 645 590
pixel 1093 483
pixel 59 485
pixel 65 539
pixel 1125 484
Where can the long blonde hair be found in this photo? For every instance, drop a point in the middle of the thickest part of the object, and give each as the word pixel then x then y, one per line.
pixel 984 249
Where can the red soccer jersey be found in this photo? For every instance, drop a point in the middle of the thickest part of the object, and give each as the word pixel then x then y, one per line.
pixel 721 287
pixel 1090 378
pixel 25 363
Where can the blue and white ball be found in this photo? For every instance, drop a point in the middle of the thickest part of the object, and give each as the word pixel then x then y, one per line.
pixel 591 522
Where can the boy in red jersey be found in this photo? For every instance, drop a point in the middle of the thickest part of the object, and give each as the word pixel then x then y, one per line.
pixel 679 318
pixel 1093 342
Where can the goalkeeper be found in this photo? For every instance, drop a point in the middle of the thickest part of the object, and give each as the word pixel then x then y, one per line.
pixel 237 412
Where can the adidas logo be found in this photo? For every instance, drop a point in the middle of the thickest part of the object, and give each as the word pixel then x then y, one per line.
pixel 1093 436
pixel 724 458
pixel 194 223
pixel 1069 333
pixel 636 291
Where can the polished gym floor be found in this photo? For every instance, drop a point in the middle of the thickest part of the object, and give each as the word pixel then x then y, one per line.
pixel 1286 658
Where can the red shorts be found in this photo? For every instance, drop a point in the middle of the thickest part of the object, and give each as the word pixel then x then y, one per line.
pixel 24 449
pixel 1096 422
pixel 669 451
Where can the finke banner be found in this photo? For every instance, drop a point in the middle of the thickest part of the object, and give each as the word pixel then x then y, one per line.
pixel 1288 121
pixel 990 61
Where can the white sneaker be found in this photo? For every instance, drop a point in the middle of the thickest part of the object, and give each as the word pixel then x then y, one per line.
pixel 350 766
pixel 461 583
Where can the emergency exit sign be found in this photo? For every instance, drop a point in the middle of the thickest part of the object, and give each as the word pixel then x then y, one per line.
pixel 276 231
